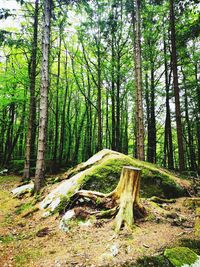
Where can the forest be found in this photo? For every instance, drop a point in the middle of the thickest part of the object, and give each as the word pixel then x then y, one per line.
pixel 100 127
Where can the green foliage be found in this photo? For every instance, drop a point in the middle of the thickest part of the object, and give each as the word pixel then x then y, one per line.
pixel 16 166
pixel 95 44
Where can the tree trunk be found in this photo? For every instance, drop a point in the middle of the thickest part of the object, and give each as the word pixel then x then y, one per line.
pixel 151 151
pixel 198 114
pixel 55 166
pixel 123 201
pixel 40 165
pixel 168 144
pixel 99 146
pixel 176 89
pixel 118 134
pixel 127 193
pixel 113 94
pixel 63 129
pixel 9 134
pixel 30 141
pixel 138 83
pixel 192 158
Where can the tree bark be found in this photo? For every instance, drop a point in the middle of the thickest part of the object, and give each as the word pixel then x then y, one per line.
pixel 127 193
pixel 30 141
pixel 55 166
pixel 63 129
pixel 168 144
pixel 40 165
pixel 138 83
pixel 192 158
pixel 176 89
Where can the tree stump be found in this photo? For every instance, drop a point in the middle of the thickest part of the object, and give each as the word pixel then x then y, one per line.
pixel 123 202
pixel 127 195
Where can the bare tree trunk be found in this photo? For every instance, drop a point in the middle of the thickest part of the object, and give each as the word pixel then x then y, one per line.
pixel 138 83
pixel 151 151
pixel 9 134
pixel 16 137
pixel 55 166
pixel 40 165
pixel 63 130
pixel 191 158
pixel 30 141
pixel 113 93
pixel 176 89
pixel 198 114
pixel 118 134
pixel 168 144
pixel 99 146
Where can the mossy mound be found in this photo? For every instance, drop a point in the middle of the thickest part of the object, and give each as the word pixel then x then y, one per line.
pixel 181 256
pixel 105 175
pixel 154 261
pixel 102 172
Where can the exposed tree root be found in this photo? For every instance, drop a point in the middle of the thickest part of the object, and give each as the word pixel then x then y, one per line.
pixel 124 201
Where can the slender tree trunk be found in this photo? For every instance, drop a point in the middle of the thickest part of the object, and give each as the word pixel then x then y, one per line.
pixel 55 167
pixel 168 144
pixel 192 158
pixel 2 136
pixel 151 151
pixel 62 131
pixel 89 126
pixel 30 141
pixel 113 94
pixel 9 134
pixel 16 137
pixel 198 114
pixel 99 146
pixel 78 138
pixel 40 165
pixel 138 84
pixel 176 89
pixel 118 137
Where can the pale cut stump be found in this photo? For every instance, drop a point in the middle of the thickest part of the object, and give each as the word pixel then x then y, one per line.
pixel 127 195
pixel 123 202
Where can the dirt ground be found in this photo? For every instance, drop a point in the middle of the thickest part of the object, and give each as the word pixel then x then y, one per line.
pixel 36 241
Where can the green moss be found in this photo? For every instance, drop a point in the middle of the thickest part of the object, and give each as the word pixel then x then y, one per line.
pixel 193 244
pixel 154 261
pixel 179 256
pixel 25 257
pixel 24 207
pixel 104 177
pixel 8 179
pixel 7 239
pixel 64 201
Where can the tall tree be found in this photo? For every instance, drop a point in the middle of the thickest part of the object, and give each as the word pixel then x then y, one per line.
pixel 30 141
pixel 138 81
pixel 176 88
pixel 40 165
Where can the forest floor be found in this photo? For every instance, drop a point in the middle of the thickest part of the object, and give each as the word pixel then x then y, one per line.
pixel 35 241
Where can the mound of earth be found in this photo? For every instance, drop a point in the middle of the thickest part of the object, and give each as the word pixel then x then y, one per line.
pixel 102 172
